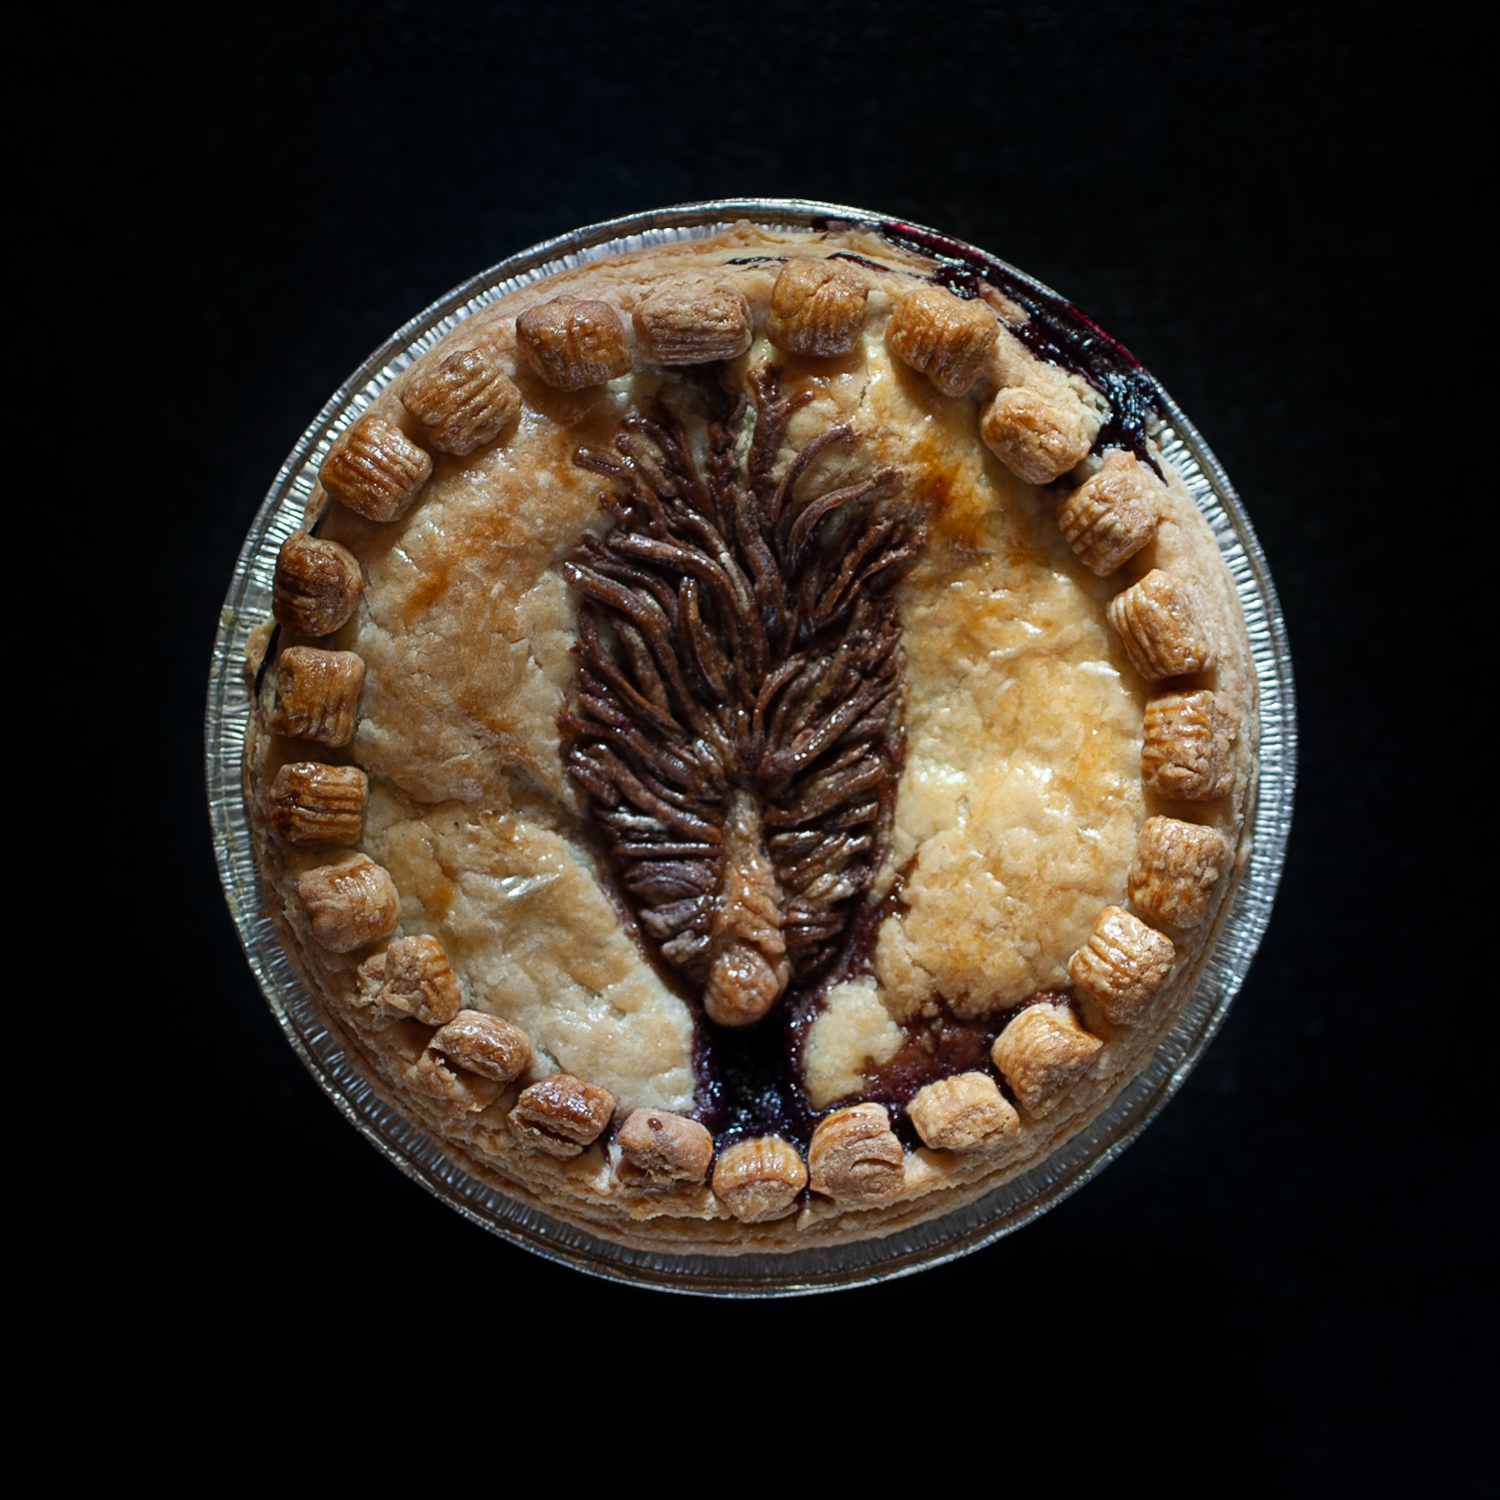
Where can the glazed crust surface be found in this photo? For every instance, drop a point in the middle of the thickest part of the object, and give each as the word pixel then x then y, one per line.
pixel 1015 820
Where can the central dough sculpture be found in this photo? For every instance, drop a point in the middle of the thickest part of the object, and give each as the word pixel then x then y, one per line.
pixel 742 742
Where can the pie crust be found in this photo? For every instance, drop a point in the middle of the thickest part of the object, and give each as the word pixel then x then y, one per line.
pixel 944 906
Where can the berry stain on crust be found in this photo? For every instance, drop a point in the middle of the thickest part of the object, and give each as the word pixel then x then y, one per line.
pixel 739 726
pixel 1055 331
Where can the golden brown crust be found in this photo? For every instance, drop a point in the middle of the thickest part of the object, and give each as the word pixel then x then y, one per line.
pixel 467 400
pixel 317 694
pixel 943 336
pixel 561 1115
pixel 758 1180
pixel 692 324
pixel 350 904
pixel 962 1113
pixel 854 1155
pixel 664 1150
pixel 314 804
pixel 571 343
pixel 1188 753
pixel 464 776
pixel 1112 515
pixel 483 1044
pixel 1122 965
pixel 1043 1053
pixel 317 585
pixel 749 969
pixel 1160 629
pixel 412 977
pixel 375 469
pixel 817 308
pixel 1176 869
pixel 458 1091
pixel 1036 437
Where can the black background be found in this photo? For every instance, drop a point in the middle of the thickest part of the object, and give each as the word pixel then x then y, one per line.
pixel 1278 209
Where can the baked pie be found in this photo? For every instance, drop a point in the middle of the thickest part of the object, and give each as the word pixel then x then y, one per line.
pixel 756 739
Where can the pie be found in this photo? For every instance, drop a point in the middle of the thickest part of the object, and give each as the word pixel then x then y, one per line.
pixel 756 740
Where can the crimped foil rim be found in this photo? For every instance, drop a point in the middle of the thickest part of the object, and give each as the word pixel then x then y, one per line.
pixel 937 1241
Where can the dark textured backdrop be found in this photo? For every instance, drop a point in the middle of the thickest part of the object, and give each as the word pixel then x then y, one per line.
pixel 1273 207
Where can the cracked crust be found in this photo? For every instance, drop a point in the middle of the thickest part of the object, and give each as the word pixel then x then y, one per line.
pixel 1015 822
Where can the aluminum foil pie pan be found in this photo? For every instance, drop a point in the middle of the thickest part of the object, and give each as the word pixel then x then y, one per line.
pixel 1009 1206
